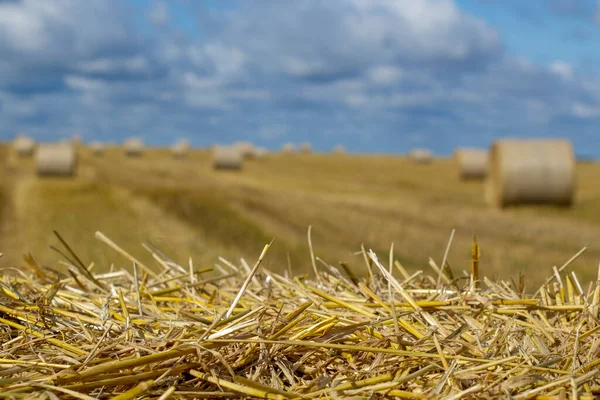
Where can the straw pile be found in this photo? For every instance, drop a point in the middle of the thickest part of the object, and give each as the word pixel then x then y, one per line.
pixel 305 148
pixel 288 148
pixel 472 163
pixel 252 333
pixel 421 156
pixel 134 147
pixel 533 171
pixel 97 148
pixel 57 159
pixel 181 148
pixel 227 157
pixel 24 145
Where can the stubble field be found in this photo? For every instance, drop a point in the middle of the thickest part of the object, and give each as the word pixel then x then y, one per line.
pixel 188 210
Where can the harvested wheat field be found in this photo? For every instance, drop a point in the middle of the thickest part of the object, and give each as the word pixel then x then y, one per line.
pixel 162 303
pixel 190 209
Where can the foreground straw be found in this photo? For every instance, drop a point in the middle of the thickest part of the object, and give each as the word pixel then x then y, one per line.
pixel 183 333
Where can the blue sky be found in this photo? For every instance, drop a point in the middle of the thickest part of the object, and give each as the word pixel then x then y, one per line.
pixel 373 75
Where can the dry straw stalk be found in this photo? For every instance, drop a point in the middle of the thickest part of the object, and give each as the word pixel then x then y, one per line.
pixel 472 163
pixel 535 171
pixel 56 159
pixel 259 334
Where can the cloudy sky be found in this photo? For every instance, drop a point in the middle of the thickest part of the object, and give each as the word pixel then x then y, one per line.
pixel 374 75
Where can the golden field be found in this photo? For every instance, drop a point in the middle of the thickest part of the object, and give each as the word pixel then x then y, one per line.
pixel 187 209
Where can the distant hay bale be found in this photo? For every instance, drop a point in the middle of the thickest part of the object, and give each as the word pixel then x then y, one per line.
pixel 261 152
pixel 535 171
pixel 472 163
pixel 24 145
pixel 306 148
pixel 56 159
pixel 288 148
pixel 134 147
pixel 181 148
pixel 247 149
pixel 339 149
pixel 227 157
pixel 97 148
pixel 421 156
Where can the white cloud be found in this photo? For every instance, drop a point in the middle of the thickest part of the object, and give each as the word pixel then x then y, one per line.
pixel 23 25
pixel 297 67
pixel 562 68
pixel 227 60
pixel 585 111
pixel 159 13
pixel 83 83
pixel 384 74
pixel 136 64
pixel 272 132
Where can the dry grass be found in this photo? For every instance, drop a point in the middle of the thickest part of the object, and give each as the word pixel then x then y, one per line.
pixel 172 332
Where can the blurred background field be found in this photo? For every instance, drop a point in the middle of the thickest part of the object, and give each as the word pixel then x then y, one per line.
pixel 188 209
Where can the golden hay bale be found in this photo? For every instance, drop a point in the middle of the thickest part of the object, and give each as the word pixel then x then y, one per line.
pixel 247 149
pixel 133 147
pixel 181 148
pixel 24 145
pixel 227 157
pixel 306 148
pixel 56 159
pixel 472 163
pixel 97 148
pixel 421 156
pixel 288 148
pixel 535 171
pixel 339 149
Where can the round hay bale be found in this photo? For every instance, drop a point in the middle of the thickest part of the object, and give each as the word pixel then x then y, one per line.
pixel 421 156
pixel 24 145
pixel 97 148
pixel 181 148
pixel 535 171
pixel 339 149
pixel 472 163
pixel 305 148
pixel 56 160
pixel 227 157
pixel 134 147
pixel 247 149
pixel 288 148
